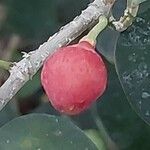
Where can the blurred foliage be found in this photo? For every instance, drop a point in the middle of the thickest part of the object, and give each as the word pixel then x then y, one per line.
pixel 8 113
pixel 31 18
pixel 34 21
pixel 43 132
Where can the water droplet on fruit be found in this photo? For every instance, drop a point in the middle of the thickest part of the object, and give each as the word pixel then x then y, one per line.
pixel 62 111
pixel 46 81
pixel 71 108
pixel 82 101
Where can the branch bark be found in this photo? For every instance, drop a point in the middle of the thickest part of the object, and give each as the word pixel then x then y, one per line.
pixel 23 71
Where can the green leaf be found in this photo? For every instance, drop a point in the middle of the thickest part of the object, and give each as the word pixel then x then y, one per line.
pixel 107 40
pixel 117 117
pixel 144 7
pixel 42 132
pixel 135 2
pixel 106 43
pixel 133 64
pixel 124 126
pixel 118 9
pixel 8 113
pixel 95 137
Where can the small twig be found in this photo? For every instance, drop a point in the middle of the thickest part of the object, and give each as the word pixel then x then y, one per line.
pixel 127 20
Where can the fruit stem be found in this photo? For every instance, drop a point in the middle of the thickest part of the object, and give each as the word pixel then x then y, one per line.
pixel 5 65
pixel 92 35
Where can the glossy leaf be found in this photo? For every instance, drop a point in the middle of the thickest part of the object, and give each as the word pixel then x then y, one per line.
pixel 115 113
pixel 144 7
pixel 42 132
pixel 133 64
pixel 106 43
pixel 118 8
pixel 107 40
pixel 80 120
pixel 8 113
pixel 135 2
pixel 124 126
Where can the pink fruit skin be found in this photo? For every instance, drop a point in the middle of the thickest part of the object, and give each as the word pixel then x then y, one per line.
pixel 74 77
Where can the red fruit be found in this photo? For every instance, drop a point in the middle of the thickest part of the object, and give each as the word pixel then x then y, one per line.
pixel 74 77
